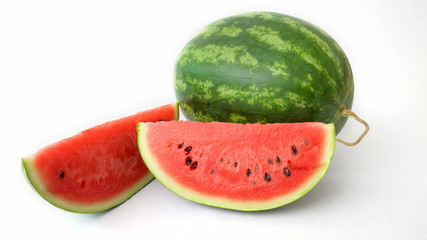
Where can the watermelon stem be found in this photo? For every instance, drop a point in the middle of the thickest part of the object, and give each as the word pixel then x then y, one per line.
pixel 348 113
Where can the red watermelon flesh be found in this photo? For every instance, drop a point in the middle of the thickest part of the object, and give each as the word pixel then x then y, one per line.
pixel 238 166
pixel 96 169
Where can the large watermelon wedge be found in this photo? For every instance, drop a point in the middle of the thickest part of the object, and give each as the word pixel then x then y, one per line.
pixel 96 169
pixel 245 167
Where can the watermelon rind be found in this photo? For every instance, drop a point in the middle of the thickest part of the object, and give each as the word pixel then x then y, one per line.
pixel 36 182
pixel 263 67
pixel 221 202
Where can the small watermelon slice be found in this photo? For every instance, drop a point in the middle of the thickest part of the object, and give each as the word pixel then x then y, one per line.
pixel 246 167
pixel 98 168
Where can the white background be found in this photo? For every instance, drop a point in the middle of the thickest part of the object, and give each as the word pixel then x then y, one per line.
pixel 68 65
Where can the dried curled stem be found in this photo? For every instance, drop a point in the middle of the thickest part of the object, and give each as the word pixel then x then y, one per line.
pixel 349 113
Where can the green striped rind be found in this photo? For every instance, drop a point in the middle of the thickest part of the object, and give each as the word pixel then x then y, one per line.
pixel 36 182
pixel 172 184
pixel 263 67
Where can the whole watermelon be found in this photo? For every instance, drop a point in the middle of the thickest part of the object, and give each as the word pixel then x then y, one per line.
pixel 263 67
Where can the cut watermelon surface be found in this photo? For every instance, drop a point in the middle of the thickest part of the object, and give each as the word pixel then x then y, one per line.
pixel 96 169
pixel 245 167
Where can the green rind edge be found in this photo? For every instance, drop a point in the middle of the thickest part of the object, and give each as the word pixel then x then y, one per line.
pixel 189 194
pixel 35 182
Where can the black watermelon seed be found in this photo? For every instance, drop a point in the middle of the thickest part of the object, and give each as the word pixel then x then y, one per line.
pixel 248 172
pixel 180 145
pixel 235 164
pixel 287 172
pixel 194 165
pixel 270 161
pixel 294 150
pixel 188 149
pixel 62 174
pixel 278 160
pixel 267 177
pixel 188 161
pixel 213 171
